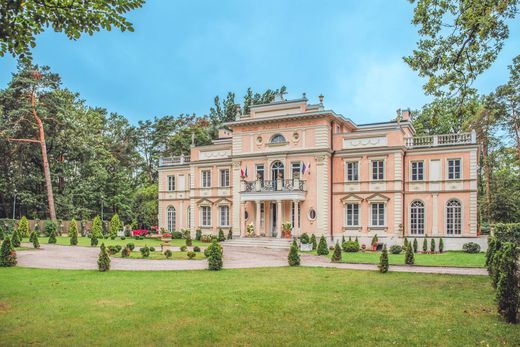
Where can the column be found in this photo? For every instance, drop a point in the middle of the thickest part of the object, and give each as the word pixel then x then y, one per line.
pixel 242 219
pixel 257 218
pixel 296 228
pixel 279 218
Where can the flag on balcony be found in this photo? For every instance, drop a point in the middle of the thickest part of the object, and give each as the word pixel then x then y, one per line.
pixel 246 172
pixel 303 168
pixel 309 168
pixel 242 173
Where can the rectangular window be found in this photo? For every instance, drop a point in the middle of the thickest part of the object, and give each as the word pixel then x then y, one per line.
pixel 296 169
pixel 352 214
pixel 171 183
pixel 206 178
pixel 224 216
pixel 378 169
pixel 378 214
pixel 224 178
pixel 205 216
pixel 417 170
pixel 352 171
pixel 454 169
pixel 260 172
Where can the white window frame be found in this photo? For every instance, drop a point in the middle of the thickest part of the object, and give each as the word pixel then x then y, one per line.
pixel 224 175
pixel 447 219
pixel 349 219
pixel 448 169
pixel 170 183
pixel 171 218
pixel 205 178
pixel 293 164
pixel 378 219
pixel 414 225
pixel 223 222
pixel 356 173
pixel 205 216
pixel 414 176
pixel 372 162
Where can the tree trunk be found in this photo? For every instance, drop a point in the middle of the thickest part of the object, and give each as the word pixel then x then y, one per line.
pixel 46 167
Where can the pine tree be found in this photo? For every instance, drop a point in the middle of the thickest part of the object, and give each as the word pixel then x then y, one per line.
pixel 52 237
pixel 7 254
pixel 293 257
pixel 409 257
pixel 383 261
pixel 34 240
pixel 73 233
pixel 115 226
pixel 432 246
pixel 336 256
pixel 49 227
pixel 313 241
pixel 441 245
pixel 230 234
pixel 103 259
pixel 15 241
pixel 405 243
pixel 374 241
pixel 425 245
pixel 189 242
pixel 93 240
pixel 415 245
pixel 97 228
pixel 508 292
pixel 23 228
pixel 323 249
pixel 31 237
pixel 221 235
pixel 215 256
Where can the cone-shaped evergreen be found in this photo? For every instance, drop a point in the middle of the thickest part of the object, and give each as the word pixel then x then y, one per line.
pixel 405 243
pixel 425 245
pixel 103 259
pixel 293 257
pixel 336 256
pixel 31 236
pixel 432 246
pixel 73 233
pixel 7 253
pixel 189 241
pixel 383 260
pixel 441 245
pixel 415 245
pixel 409 257
pixel 97 228
pixel 313 241
pixel 52 237
pixel 230 234
pixel 93 241
pixel 15 241
pixel 215 256
pixel 508 292
pixel 2 232
pixel 323 249
pixel 23 228
pixel 115 226
pixel 34 240
pixel 221 235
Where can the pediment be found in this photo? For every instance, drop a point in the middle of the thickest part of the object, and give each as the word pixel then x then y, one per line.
pixel 204 201
pixel 351 198
pixel 378 197
pixel 223 201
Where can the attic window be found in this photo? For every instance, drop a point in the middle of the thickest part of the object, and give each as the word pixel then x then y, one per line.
pixel 278 138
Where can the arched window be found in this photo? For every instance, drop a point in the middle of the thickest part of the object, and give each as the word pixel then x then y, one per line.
pixel 453 217
pixel 417 218
pixel 172 218
pixel 277 170
pixel 278 138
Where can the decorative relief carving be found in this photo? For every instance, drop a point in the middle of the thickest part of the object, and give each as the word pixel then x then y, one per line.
pixel 365 142
pixel 215 154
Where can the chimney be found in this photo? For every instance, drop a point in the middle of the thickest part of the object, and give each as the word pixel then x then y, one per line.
pixel 406 115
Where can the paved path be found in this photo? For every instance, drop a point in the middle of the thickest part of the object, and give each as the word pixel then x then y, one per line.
pixel 67 257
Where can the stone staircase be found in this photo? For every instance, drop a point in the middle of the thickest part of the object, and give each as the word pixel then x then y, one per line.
pixel 260 242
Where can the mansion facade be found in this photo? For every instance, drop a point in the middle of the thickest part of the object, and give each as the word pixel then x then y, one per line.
pixel 290 161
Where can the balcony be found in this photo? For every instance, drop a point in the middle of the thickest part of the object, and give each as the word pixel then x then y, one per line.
pixel 441 140
pixel 280 189
pixel 174 161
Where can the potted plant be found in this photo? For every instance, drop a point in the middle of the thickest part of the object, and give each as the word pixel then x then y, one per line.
pixel 374 242
pixel 250 229
pixel 305 243
pixel 286 230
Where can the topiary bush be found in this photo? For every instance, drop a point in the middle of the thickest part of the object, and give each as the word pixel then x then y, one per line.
pixel 145 251
pixel 152 249
pixel 471 247
pixel 294 257
pixel 49 227
pixel 409 258
pixel 34 240
pixel 103 259
pixel 115 226
pixel 323 249
pixel 196 249
pixel 112 250
pixel 425 245
pixel 351 246
pixel 52 237
pixel 93 241
pixel 336 255
pixel 206 238
pixel 16 239
pixel 73 232
pixel 230 234
pixel 221 235
pixel 189 242
pixel 130 246
pixel 198 234
pixel 176 235
pixel 441 245
pixel 125 253
pixel 374 241
pixel 396 249
pixel 215 256
pixel 191 255
pixel 7 253
pixel 508 289
pixel 184 248
pixel 313 241
pixel 168 254
pixel 23 227
pixel 305 239
pixel 383 261
pixel 415 245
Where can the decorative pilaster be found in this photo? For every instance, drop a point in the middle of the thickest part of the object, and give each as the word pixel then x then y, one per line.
pixel 257 218
pixel 279 219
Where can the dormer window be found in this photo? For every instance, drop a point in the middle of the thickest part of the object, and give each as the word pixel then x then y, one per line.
pixel 278 138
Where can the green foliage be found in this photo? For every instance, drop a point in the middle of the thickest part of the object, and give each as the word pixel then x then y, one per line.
pixel 168 254
pixel 198 234
pixel 23 227
pixel 97 228
pixel 415 245
pixel 432 245
pixel 350 246
pixel 191 255
pixel 336 256
pixel 230 234
pixel 52 237
pixel 396 249
pixel 115 225
pixel 214 256
pixel 145 251
pixel 441 245
pixel 125 253
pixel 130 246
pixel 383 261
pixel 313 241
pixel 2 232
pixel 93 240
pixel 50 226
pixel 425 245
pixel 507 232
pixel 103 259
pixel 196 249
pixel 7 253
pixel 184 248
pixel 34 240
pixel 16 239
pixel 177 235
pixel 189 242
pixel 73 232
pixel 294 257
pixel 405 243
pixel 304 238
pixel 494 262
pixel 374 241
pixel 508 286
pixel 409 258
pixel 221 235
pixel 322 246
pixel 471 247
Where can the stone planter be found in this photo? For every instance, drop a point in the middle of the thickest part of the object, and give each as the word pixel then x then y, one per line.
pixel 306 247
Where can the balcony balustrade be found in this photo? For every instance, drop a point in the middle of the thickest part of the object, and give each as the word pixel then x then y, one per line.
pixel 172 161
pixel 441 140
pixel 278 185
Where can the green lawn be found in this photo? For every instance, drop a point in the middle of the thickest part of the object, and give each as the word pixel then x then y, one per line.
pixel 268 306
pixel 451 258
pixel 158 255
pixel 85 241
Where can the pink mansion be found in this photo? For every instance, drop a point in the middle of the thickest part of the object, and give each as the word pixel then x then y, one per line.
pixel 290 161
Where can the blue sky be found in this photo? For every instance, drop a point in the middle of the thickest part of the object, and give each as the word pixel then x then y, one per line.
pixel 183 53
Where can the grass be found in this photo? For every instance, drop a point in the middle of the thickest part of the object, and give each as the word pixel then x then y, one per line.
pixel 266 306
pixel 158 255
pixel 451 258
pixel 85 241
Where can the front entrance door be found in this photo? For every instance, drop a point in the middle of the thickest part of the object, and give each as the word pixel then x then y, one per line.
pixel 272 214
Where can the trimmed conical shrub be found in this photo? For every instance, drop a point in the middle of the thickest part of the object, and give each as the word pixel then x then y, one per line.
pixel 2 232
pixel 189 241
pixel 508 292
pixel 221 235
pixel 49 227
pixel 343 239
pixel 409 257
pixel 73 233
pixel 103 259
pixel 441 245
pixel 336 256
pixel 52 237
pixel 432 246
pixel 93 240
pixel 23 228
pixel 313 241
pixel 215 256
pixel 230 234
pixel 115 226
pixel 383 261
pixel 34 240
pixel 97 228
pixel 323 249
pixel 7 254
pixel 425 245
pixel 293 258
pixel 405 245
pixel 15 240
pixel 415 245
